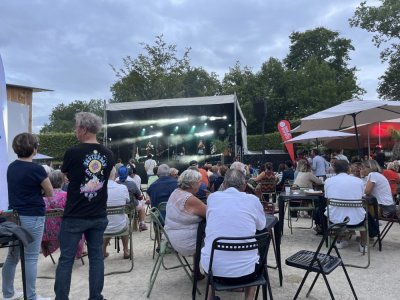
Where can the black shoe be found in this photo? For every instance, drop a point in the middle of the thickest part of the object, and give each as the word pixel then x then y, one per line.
pixel 1 265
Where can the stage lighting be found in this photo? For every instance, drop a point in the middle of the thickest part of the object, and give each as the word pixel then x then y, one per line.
pixel 203 118
pixel 204 133
pixel 151 126
pixel 158 134
pixel 121 124
pixel 205 124
pixel 224 117
pixel 230 125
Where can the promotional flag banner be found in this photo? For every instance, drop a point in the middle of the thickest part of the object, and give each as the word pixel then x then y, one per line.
pixel 3 140
pixel 284 130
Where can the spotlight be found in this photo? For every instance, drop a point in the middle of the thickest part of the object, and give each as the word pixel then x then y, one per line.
pixel 151 126
pixel 204 133
pixel 224 117
pixel 230 125
pixel 205 124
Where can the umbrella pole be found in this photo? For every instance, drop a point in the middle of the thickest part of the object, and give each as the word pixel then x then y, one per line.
pixel 358 140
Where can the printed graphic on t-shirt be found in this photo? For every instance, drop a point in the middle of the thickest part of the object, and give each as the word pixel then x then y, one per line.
pixel 95 165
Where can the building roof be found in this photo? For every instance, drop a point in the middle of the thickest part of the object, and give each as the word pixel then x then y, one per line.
pixel 34 89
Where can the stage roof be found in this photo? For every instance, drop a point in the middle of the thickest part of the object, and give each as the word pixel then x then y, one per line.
pixel 194 101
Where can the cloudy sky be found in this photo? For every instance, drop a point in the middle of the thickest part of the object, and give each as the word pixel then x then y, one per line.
pixel 68 45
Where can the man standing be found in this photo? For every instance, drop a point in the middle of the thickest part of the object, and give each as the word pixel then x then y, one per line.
pixel 149 165
pixel 318 164
pixel 87 167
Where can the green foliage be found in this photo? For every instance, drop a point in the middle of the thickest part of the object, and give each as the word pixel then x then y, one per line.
pixel 62 117
pixel 161 74
pixel 55 144
pixel 383 20
pixel 273 141
pixel 220 146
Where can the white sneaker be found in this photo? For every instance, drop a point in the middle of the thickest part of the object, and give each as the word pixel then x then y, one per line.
pixel 17 296
pixel 342 244
pixel 361 248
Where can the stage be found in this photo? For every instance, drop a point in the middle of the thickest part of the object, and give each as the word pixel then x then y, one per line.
pixel 171 130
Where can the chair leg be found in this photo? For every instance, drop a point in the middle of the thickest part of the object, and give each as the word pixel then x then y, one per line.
pixel 268 286
pixel 328 286
pixel 312 285
pixel 301 285
pixel 349 281
pixel 154 272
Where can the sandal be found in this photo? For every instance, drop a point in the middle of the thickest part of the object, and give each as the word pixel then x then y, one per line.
pixel 105 255
pixel 127 256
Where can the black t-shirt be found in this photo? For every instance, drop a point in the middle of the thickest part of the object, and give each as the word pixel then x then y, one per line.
pixel 88 167
pixel 24 188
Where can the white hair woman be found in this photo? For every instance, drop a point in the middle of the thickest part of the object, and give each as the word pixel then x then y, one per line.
pixel 184 213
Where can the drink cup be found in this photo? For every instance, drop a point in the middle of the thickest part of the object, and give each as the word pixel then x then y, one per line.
pixel 287 190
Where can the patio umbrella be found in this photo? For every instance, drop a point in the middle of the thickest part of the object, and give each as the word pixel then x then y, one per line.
pixel 349 113
pixel 41 156
pixel 322 135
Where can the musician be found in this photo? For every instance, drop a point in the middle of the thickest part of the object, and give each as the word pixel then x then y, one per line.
pixel 201 148
pixel 149 147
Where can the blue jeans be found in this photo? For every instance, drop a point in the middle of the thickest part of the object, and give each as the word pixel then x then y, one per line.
pixel 71 231
pixel 35 226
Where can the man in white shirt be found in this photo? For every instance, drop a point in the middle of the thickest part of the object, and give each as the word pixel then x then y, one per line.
pixel 345 187
pixel 149 165
pixel 232 213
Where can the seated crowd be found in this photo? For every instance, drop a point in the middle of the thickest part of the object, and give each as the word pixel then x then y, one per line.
pixel 228 197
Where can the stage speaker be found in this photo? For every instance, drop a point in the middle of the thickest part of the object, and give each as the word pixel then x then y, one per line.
pixel 259 110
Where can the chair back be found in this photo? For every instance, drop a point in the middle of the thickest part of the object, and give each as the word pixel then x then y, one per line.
pixel 156 218
pixel 360 203
pixel 248 243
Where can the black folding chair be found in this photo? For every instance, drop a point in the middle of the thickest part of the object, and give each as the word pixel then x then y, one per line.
pixel 258 242
pixel 321 263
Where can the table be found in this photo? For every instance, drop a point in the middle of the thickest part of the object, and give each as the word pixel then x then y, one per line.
pixel 295 195
pixel 272 222
pixel 10 241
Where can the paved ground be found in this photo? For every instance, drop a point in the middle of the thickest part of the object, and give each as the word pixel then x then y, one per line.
pixel 380 280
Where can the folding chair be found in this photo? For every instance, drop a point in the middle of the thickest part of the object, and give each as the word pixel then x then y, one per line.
pixel 303 206
pixel 118 210
pixel 258 242
pixel 321 263
pixel 162 207
pixel 57 213
pixel 386 228
pixel 165 247
pixel 353 204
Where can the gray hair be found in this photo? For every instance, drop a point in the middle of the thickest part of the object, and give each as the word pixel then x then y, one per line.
pixel 48 169
pixel 235 178
pixel 163 170
pixel 56 179
pixel 188 178
pixel 89 121
pixel 237 165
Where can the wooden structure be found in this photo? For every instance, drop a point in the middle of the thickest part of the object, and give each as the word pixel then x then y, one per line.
pixel 23 95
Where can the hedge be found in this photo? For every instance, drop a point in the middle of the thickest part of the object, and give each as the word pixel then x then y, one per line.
pixel 55 144
pixel 273 141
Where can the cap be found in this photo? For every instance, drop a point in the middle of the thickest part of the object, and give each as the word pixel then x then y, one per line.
pixel 122 173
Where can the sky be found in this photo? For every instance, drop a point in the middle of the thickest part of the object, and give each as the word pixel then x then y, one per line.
pixel 68 45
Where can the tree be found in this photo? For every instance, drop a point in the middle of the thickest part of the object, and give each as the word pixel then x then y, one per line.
pixel 62 117
pixel 243 82
pixel 318 72
pixel 161 74
pixel 384 21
